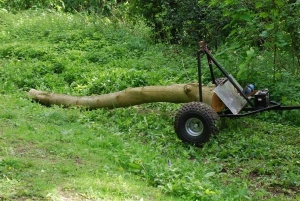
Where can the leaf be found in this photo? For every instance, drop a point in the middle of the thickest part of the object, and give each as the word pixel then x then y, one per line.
pixel 135 166
pixel 250 53
pixel 270 27
pixel 229 2
pixel 207 191
pixel 242 70
pixel 263 14
pixel 245 16
pixel 279 3
pixel 210 174
pixel 264 34
pixel 258 4
pixel 170 186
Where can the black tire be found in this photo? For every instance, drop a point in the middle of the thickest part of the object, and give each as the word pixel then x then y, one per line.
pixel 195 122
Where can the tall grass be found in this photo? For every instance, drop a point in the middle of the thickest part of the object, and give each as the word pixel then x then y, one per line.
pixel 92 55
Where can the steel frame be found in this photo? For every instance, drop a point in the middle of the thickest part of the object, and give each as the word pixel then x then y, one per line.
pixel 246 111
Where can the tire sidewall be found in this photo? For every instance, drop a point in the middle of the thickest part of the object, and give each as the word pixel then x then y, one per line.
pixel 185 136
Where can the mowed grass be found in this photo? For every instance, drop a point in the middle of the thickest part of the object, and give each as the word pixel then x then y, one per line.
pixel 55 153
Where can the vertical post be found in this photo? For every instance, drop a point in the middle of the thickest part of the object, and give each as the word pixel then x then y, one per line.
pixel 199 71
pixel 213 80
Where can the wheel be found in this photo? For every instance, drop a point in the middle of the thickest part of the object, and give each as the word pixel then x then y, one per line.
pixel 195 122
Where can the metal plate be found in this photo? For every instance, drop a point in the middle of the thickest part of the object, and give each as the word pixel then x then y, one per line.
pixel 230 96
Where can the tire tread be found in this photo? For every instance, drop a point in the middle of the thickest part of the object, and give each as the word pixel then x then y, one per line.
pixel 202 109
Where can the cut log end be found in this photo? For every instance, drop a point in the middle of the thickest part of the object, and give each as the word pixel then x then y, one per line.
pixel 217 104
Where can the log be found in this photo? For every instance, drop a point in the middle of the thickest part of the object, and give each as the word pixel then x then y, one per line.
pixel 177 93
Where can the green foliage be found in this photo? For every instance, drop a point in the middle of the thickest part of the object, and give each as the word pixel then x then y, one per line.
pixel 93 6
pixel 92 56
pixel 181 21
pixel 265 27
pixel 16 5
pixel 102 6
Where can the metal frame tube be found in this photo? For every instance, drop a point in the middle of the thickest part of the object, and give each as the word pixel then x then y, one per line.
pixel 248 110
pixel 199 75
pixel 204 49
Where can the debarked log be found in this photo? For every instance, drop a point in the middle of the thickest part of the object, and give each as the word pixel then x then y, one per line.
pixel 177 93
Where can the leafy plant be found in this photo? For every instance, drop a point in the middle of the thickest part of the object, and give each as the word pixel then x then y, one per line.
pixel 93 6
pixel 181 22
pixel 265 26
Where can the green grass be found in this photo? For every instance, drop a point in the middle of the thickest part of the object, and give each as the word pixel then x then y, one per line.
pixel 55 153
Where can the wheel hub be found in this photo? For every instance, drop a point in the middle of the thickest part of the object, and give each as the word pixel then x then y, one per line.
pixel 194 127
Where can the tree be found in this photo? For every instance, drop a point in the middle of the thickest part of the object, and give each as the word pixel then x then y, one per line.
pixel 178 21
pixel 271 26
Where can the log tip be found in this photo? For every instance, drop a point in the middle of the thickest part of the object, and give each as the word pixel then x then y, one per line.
pixel 31 92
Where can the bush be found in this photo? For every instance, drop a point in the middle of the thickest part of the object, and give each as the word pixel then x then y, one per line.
pixel 183 22
pixel 95 6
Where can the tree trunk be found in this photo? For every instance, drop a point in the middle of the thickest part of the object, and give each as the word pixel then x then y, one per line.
pixel 177 93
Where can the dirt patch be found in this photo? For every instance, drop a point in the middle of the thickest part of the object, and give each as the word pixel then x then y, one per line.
pixel 66 195
pixel 278 189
